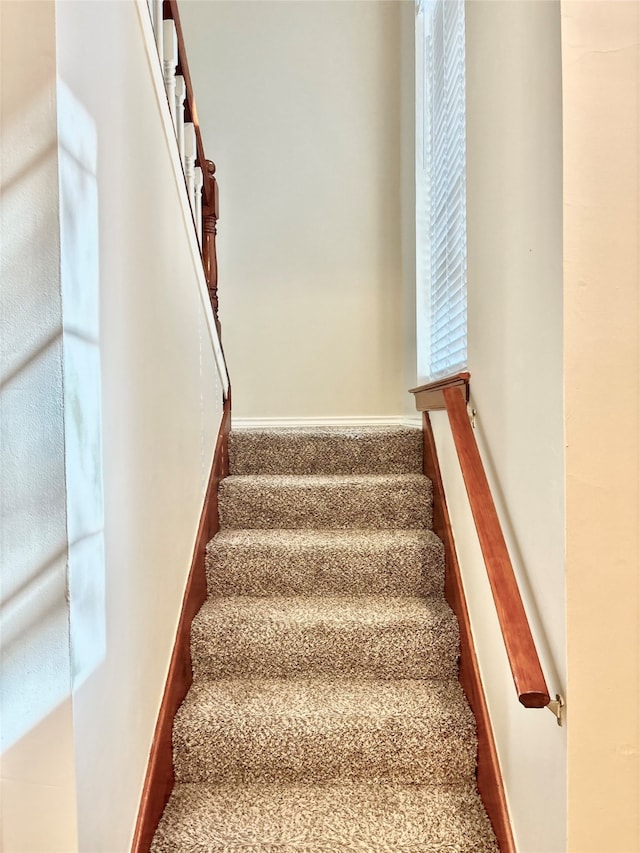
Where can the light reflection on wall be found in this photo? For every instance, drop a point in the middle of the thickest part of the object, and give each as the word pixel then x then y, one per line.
pixel 35 672
pixel 52 610
pixel 79 236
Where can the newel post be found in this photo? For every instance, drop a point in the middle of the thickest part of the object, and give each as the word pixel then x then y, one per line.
pixel 209 230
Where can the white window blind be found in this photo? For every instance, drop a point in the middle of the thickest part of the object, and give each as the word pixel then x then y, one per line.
pixel 441 189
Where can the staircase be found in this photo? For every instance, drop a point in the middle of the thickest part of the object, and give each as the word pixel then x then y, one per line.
pixel 325 713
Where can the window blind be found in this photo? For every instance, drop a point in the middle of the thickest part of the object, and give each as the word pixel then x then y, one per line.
pixel 441 189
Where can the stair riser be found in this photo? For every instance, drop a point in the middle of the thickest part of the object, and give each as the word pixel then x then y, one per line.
pixel 263 751
pixel 426 651
pixel 357 452
pixel 332 507
pixel 403 570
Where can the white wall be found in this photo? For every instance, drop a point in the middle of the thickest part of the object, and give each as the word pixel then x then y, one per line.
pixel 300 108
pixel 159 411
pixel 37 770
pixel 601 92
pixel 514 210
pixel 408 197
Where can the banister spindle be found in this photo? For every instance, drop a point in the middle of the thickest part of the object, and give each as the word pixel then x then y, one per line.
pixel 209 230
pixel 190 153
pixel 169 64
pixel 199 180
pixel 181 92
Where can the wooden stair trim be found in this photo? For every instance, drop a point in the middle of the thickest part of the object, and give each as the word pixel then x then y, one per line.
pixel 159 779
pixel 452 393
pixel 430 397
pixel 489 777
pixel 526 669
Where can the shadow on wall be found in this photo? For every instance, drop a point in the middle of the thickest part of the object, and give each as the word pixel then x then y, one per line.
pixel 52 598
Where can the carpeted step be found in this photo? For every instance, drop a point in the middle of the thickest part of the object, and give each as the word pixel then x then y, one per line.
pixel 326 450
pixel 363 637
pixel 316 562
pixel 320 730
pixel 325 714
pixel 379 501
pixel 378 817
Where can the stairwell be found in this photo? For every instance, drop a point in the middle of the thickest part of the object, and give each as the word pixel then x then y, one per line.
pixel 325 712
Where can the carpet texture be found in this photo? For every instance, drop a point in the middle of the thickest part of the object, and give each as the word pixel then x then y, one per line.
pixel 325 713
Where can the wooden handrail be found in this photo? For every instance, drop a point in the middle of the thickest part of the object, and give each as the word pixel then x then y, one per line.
pixel 523 657
pixel 210 207
pixel 170 10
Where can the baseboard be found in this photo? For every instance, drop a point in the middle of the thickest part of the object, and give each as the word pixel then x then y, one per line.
pixel 355 421
pixel 489 777
pixel 159 779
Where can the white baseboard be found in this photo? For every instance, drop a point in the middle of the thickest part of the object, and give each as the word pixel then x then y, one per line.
pixel 372 420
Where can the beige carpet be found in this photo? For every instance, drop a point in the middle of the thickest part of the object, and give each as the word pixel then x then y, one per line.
pixel 325 713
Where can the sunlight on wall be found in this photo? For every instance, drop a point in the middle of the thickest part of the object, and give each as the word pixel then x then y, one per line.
pixel 52 545
pixel 34 611
pixel 78 146
pixel 37 784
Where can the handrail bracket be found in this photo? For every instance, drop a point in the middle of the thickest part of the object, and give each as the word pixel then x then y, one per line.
pixel 556 706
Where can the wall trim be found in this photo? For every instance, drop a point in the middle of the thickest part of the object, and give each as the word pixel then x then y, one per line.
pixel 489 776
pixel 351 421
pixel 159 779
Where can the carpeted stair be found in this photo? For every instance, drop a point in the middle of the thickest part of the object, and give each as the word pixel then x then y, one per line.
pixel 325 713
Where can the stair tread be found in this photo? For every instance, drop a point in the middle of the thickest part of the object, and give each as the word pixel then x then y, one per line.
pixel 314 538
pixel 316 699
pixel 332 501
pixel 348 636
pixel 308 561
pixel 324 729
pixel 380 817
pixel 314 480
pixel 366 449
pixel 377 611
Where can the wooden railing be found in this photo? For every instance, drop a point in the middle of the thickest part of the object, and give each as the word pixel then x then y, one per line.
pixel 199 173
pixel 452 394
